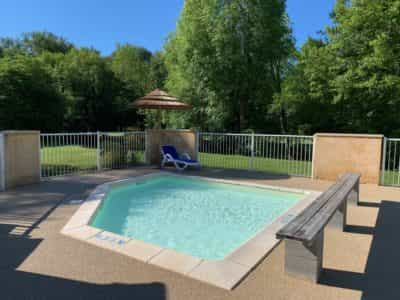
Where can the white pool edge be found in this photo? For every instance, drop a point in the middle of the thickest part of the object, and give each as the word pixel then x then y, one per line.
pixel 226 273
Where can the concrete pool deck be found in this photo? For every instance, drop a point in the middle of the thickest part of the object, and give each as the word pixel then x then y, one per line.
pixel 38 262
pixel 225 273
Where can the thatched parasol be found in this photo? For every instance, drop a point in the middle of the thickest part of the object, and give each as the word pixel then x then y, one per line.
pixel 159 100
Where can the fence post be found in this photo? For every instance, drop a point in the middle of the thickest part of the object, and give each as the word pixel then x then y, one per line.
pixel 252 153
pixel 313 156
pixel 40 155
pixel 98 151
pixel 2 164
pixel 146 147
pixel 383 163
pixel 197 145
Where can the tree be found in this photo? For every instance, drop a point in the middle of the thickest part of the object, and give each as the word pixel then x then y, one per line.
pixel 353 78
pixel 35 43
pixel 307 94
pixel 226 58
pixel 366 41
pixel 9 46
pixel 158 71
pixel 140 72
pixel 131 65
pixel 28 97
pixel 91 91
pixel 39 42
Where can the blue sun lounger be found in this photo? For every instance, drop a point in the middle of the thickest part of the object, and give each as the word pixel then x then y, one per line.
pixel 181 162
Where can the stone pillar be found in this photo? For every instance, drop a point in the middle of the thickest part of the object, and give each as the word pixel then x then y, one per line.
pixel 185 141
pixel 304 261
pixel 336 154
pixel 19 158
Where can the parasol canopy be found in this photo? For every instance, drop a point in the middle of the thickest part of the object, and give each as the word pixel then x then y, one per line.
pixel 159 100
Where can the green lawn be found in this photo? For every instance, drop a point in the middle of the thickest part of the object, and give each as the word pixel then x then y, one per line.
pixel 68 159
pixel 391 178
pixel 72 159
pixel 301 168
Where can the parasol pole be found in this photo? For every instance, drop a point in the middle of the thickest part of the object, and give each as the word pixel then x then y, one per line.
pixel 158 119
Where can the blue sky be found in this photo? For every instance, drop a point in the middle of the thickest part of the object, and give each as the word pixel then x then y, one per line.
pixel 104 23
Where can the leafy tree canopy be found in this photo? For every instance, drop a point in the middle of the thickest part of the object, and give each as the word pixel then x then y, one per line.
pixel 28 97
pixel 226 58
pixel 353 77
pixel 35 43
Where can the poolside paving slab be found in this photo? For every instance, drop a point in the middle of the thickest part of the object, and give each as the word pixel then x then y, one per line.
pixel 140 250
pixel 79 219
pixel 90 205
pixel 175 261
pixel 81 233
pixel 254 251
pixel 224 273
pixel 109 240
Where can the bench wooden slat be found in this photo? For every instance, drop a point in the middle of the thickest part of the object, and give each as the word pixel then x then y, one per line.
pixel 314 218
pixel 318 222
pixel 309 212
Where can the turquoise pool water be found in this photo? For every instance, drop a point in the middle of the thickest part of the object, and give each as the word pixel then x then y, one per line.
pixel 201 218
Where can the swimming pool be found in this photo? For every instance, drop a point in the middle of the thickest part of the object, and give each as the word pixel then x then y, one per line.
pixel 212 230
pixel 198 217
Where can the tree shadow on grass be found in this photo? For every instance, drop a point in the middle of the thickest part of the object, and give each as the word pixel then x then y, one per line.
pixel 232 174
pixel 382 273
pixel 17 284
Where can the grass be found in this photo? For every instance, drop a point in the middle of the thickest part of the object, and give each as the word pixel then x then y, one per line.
pixel 71 159
pixel 391 178
pixel 68 159
pixel 282 166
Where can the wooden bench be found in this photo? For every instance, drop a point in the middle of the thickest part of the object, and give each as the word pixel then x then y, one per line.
pixel 304 235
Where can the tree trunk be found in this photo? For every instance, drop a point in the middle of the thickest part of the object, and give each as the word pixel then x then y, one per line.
pixel 243 114
pixel 276 75
pixel 282 119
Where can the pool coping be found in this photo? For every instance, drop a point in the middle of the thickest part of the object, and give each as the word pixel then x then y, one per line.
pixel 226 273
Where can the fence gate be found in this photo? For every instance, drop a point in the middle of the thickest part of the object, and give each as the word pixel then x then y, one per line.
pixel 121 150
pixel 70 153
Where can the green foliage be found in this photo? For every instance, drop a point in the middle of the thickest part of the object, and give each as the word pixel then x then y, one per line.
pixel 234 61
pixel 226 59
pixel 158 71
pixel 131 65
pixel 306 96
pixel 48 84
pixel 353 79
pixel 39 42
pixel 28 97
pixel 140 72
pixel 90 89
pixel 35 43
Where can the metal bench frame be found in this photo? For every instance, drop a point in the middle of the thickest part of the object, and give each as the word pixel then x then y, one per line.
pixel 304 235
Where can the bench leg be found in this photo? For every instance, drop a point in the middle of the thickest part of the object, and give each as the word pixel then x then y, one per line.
pixel 354 197
pixel 339 218
pixel 304 261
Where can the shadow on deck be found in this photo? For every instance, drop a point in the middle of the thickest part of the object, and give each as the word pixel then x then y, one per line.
pixel 382 273
pixel 24 209
pixel 17 284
